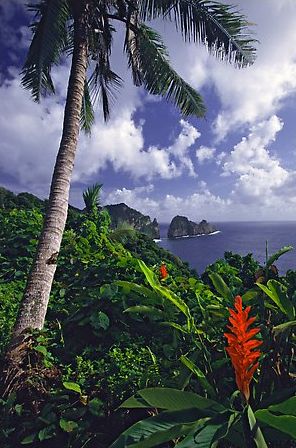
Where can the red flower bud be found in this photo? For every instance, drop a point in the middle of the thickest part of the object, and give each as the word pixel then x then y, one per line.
pixel 163 271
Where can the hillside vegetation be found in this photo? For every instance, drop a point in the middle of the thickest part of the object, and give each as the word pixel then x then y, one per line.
pixel 117 325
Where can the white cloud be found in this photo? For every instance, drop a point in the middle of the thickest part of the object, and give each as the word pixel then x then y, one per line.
pixel 204 204
pixel 260 90
pixel 253 93
pixel 258 172
pixel 135 198
pixel 204 153
pixel 201 204
pixel 30 135
pixel 121 143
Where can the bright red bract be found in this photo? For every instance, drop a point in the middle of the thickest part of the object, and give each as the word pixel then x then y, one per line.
pixel 163 271
pixel 241 345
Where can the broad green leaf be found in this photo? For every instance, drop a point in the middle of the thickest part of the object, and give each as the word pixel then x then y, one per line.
pixel 286 407
pixel 176 326
pixel 68 425
pixel 103 320
pixel 47 433
pixel 72 386
pixel 149 274
pixel 278 396
pixel 249 295
pixel 220 285
pixel 283 327
pixel 135 403
pixel 158 429
pixel 173 399
pixel 139 289
pixel 176 300
pixel 29 439
pixel 277 292
pixel 41 349
pixel 165 292
pixel 144 309
pixel 283 423
pixel 277 255
pixel 206 437
pixel 199 375
pixel 256 431
pixel 272 295
pixel 207 433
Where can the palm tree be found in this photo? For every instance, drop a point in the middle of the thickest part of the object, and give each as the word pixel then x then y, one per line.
pixel 83 29
pixel 91 197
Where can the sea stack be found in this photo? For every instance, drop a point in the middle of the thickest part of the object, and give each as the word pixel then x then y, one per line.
pixel 182 226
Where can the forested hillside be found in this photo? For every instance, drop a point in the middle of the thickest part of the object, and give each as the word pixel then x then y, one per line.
pixel 125 315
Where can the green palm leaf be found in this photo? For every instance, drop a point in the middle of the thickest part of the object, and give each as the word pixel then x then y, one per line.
pixel 103 84
pixel 49 40
pixel 91 197
pixel 158 77
pixel 87 116
pixel 220 27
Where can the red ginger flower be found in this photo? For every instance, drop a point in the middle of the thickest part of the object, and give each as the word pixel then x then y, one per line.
pixel 241 344
pixel 163 271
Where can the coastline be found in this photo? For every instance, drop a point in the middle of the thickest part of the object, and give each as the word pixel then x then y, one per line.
pixel 188 236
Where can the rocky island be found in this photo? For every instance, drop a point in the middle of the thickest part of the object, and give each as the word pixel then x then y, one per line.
pixel 182 226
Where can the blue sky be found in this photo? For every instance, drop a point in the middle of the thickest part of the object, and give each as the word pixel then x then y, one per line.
pixel 239 163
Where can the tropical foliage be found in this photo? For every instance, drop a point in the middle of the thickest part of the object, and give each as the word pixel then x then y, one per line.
pixel 84 30
pixel 133 352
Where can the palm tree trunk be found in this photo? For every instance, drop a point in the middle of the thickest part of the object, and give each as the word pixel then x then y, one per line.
pixel 35 301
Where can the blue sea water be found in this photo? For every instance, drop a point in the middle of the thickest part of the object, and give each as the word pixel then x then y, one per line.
pixel 239 237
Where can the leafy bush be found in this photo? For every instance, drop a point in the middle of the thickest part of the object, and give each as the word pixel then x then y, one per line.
pixel 114 326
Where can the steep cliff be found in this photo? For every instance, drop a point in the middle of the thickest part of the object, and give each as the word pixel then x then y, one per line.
pixel 182 226
pixel 122 213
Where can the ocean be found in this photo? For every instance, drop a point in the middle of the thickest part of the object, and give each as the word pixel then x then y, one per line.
pixel 238 237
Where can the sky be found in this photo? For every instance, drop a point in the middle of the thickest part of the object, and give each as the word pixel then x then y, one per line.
pixel 236 164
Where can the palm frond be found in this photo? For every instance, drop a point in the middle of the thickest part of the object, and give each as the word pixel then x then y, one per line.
pixel 103 84
pixel 91 197
pixel 87 116
pixel 131 44
pixel 223 30
pixel 159 78
pixel 49 40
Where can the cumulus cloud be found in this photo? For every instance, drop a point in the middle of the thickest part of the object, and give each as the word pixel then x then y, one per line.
pixel 30 135
pixel 121 143
pixel 260 90
pixel 204 153
pixel 258 172
pixel 204 204
pixel 258 184
pixel 253 93
pixel 201 204
pixel 135 198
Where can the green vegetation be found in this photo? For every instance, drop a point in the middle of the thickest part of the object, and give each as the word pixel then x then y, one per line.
pixel 83 31
pixel 115 330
